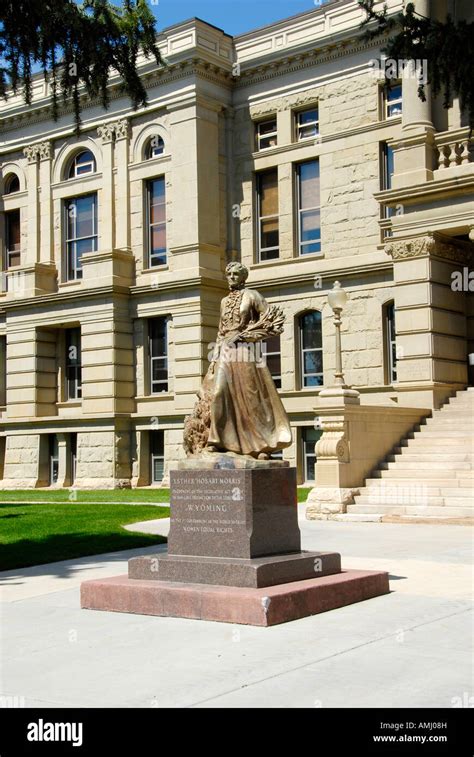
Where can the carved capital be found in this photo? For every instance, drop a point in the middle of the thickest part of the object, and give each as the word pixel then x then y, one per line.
pixel 430 245
pixel 45 150
pixel 106 132
pixel 122 129
pixel 31 153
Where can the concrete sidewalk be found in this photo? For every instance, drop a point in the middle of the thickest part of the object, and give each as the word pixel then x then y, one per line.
pixel 412 648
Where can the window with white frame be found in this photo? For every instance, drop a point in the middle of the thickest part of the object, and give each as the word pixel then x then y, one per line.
pixel 272 353
pixel 157 456
pixel 309 212
pixel 156 199
pixel 82 164
pixel 307 123
pixel 311 349
pixel 309 438
pixel 12 239
pixel 155 147
pixel 266 133
pixel 393 103
pixel 81 232
pixel 268 215
pixel 73 364
pixel 390 343
pixel 158 354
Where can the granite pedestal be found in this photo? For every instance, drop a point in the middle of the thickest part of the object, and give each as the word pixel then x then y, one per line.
pixel 234 554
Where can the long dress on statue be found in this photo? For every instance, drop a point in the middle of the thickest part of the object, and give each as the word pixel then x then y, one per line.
pixel 247 415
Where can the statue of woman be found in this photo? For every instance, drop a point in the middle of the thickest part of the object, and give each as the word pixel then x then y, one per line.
pixel 239 410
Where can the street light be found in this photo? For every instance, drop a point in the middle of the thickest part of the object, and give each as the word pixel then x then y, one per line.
pixel 337 299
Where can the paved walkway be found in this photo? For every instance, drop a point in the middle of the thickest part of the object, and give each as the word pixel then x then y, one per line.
pixel 412 648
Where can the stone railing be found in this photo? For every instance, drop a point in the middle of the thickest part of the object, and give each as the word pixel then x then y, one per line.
pixel 454 148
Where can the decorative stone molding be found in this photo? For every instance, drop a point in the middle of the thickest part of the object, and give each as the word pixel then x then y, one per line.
pixel 106 132
pixel 429 245
pixel 31 153
pixel 114 130
pixel 42 150
pixel 333 444
pixel 45 151
pixel 122 129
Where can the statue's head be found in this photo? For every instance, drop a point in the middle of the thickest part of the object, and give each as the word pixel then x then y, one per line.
pixel 237 274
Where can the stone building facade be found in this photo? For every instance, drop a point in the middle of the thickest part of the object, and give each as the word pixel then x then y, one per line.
pixel 282 147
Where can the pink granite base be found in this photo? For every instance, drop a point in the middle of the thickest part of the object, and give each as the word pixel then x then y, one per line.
pixel 255 607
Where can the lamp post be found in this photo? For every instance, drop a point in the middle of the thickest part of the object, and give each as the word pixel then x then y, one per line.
pixel 337 299
pixel 339 391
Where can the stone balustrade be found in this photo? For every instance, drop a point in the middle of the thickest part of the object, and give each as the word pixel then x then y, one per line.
pixel 454 148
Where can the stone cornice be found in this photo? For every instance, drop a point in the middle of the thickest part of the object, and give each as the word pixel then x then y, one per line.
pixel 413 194
pixel 430 245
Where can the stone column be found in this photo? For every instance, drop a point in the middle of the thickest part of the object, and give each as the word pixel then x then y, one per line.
pixel 414 153
pixel 46 206
pixel 31 255
pixel 106 197
pixel 122 184
pixel 430 317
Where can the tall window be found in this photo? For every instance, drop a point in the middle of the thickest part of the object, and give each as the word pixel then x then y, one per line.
pixel 307 124
pixel 158 350
pixel 272 348
pixel 53 459
pixel 81 236
pixel 309 215
pixel 311 346
pixel 266 132
pixel 393 100
pixel 387 166
pixel 390 343
pixel 267 212
pixel 157 454
pixel 73 364
pixel 82 164
pixel 13 238
pixel 157 222
pixel 310 437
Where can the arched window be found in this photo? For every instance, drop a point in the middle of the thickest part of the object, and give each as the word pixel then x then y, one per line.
pixel 390 342
pixel 155 147
pixel 311 349
pixel 12 184
pixel 83 163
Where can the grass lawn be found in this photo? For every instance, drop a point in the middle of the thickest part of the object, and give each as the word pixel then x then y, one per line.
pixel 38 534
pixel 125 496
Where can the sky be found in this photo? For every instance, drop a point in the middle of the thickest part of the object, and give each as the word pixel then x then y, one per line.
pixel 233 16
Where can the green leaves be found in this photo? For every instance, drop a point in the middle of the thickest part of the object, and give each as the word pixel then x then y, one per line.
pixel 447 46
pixel 78 48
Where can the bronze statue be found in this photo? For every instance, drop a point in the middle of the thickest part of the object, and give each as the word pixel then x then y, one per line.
pixel 239 410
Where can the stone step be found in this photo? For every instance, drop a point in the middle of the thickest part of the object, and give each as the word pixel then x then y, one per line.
pixel 451 512
pixel 413 455
pixel 421 490
pixel 359 518
pixel 418 500
pixel 449 433
pixel 435 440
pixel 464 422
pixel 427 467
pixel 411 474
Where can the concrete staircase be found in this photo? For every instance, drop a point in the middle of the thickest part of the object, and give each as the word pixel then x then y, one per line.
pixel 430 475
